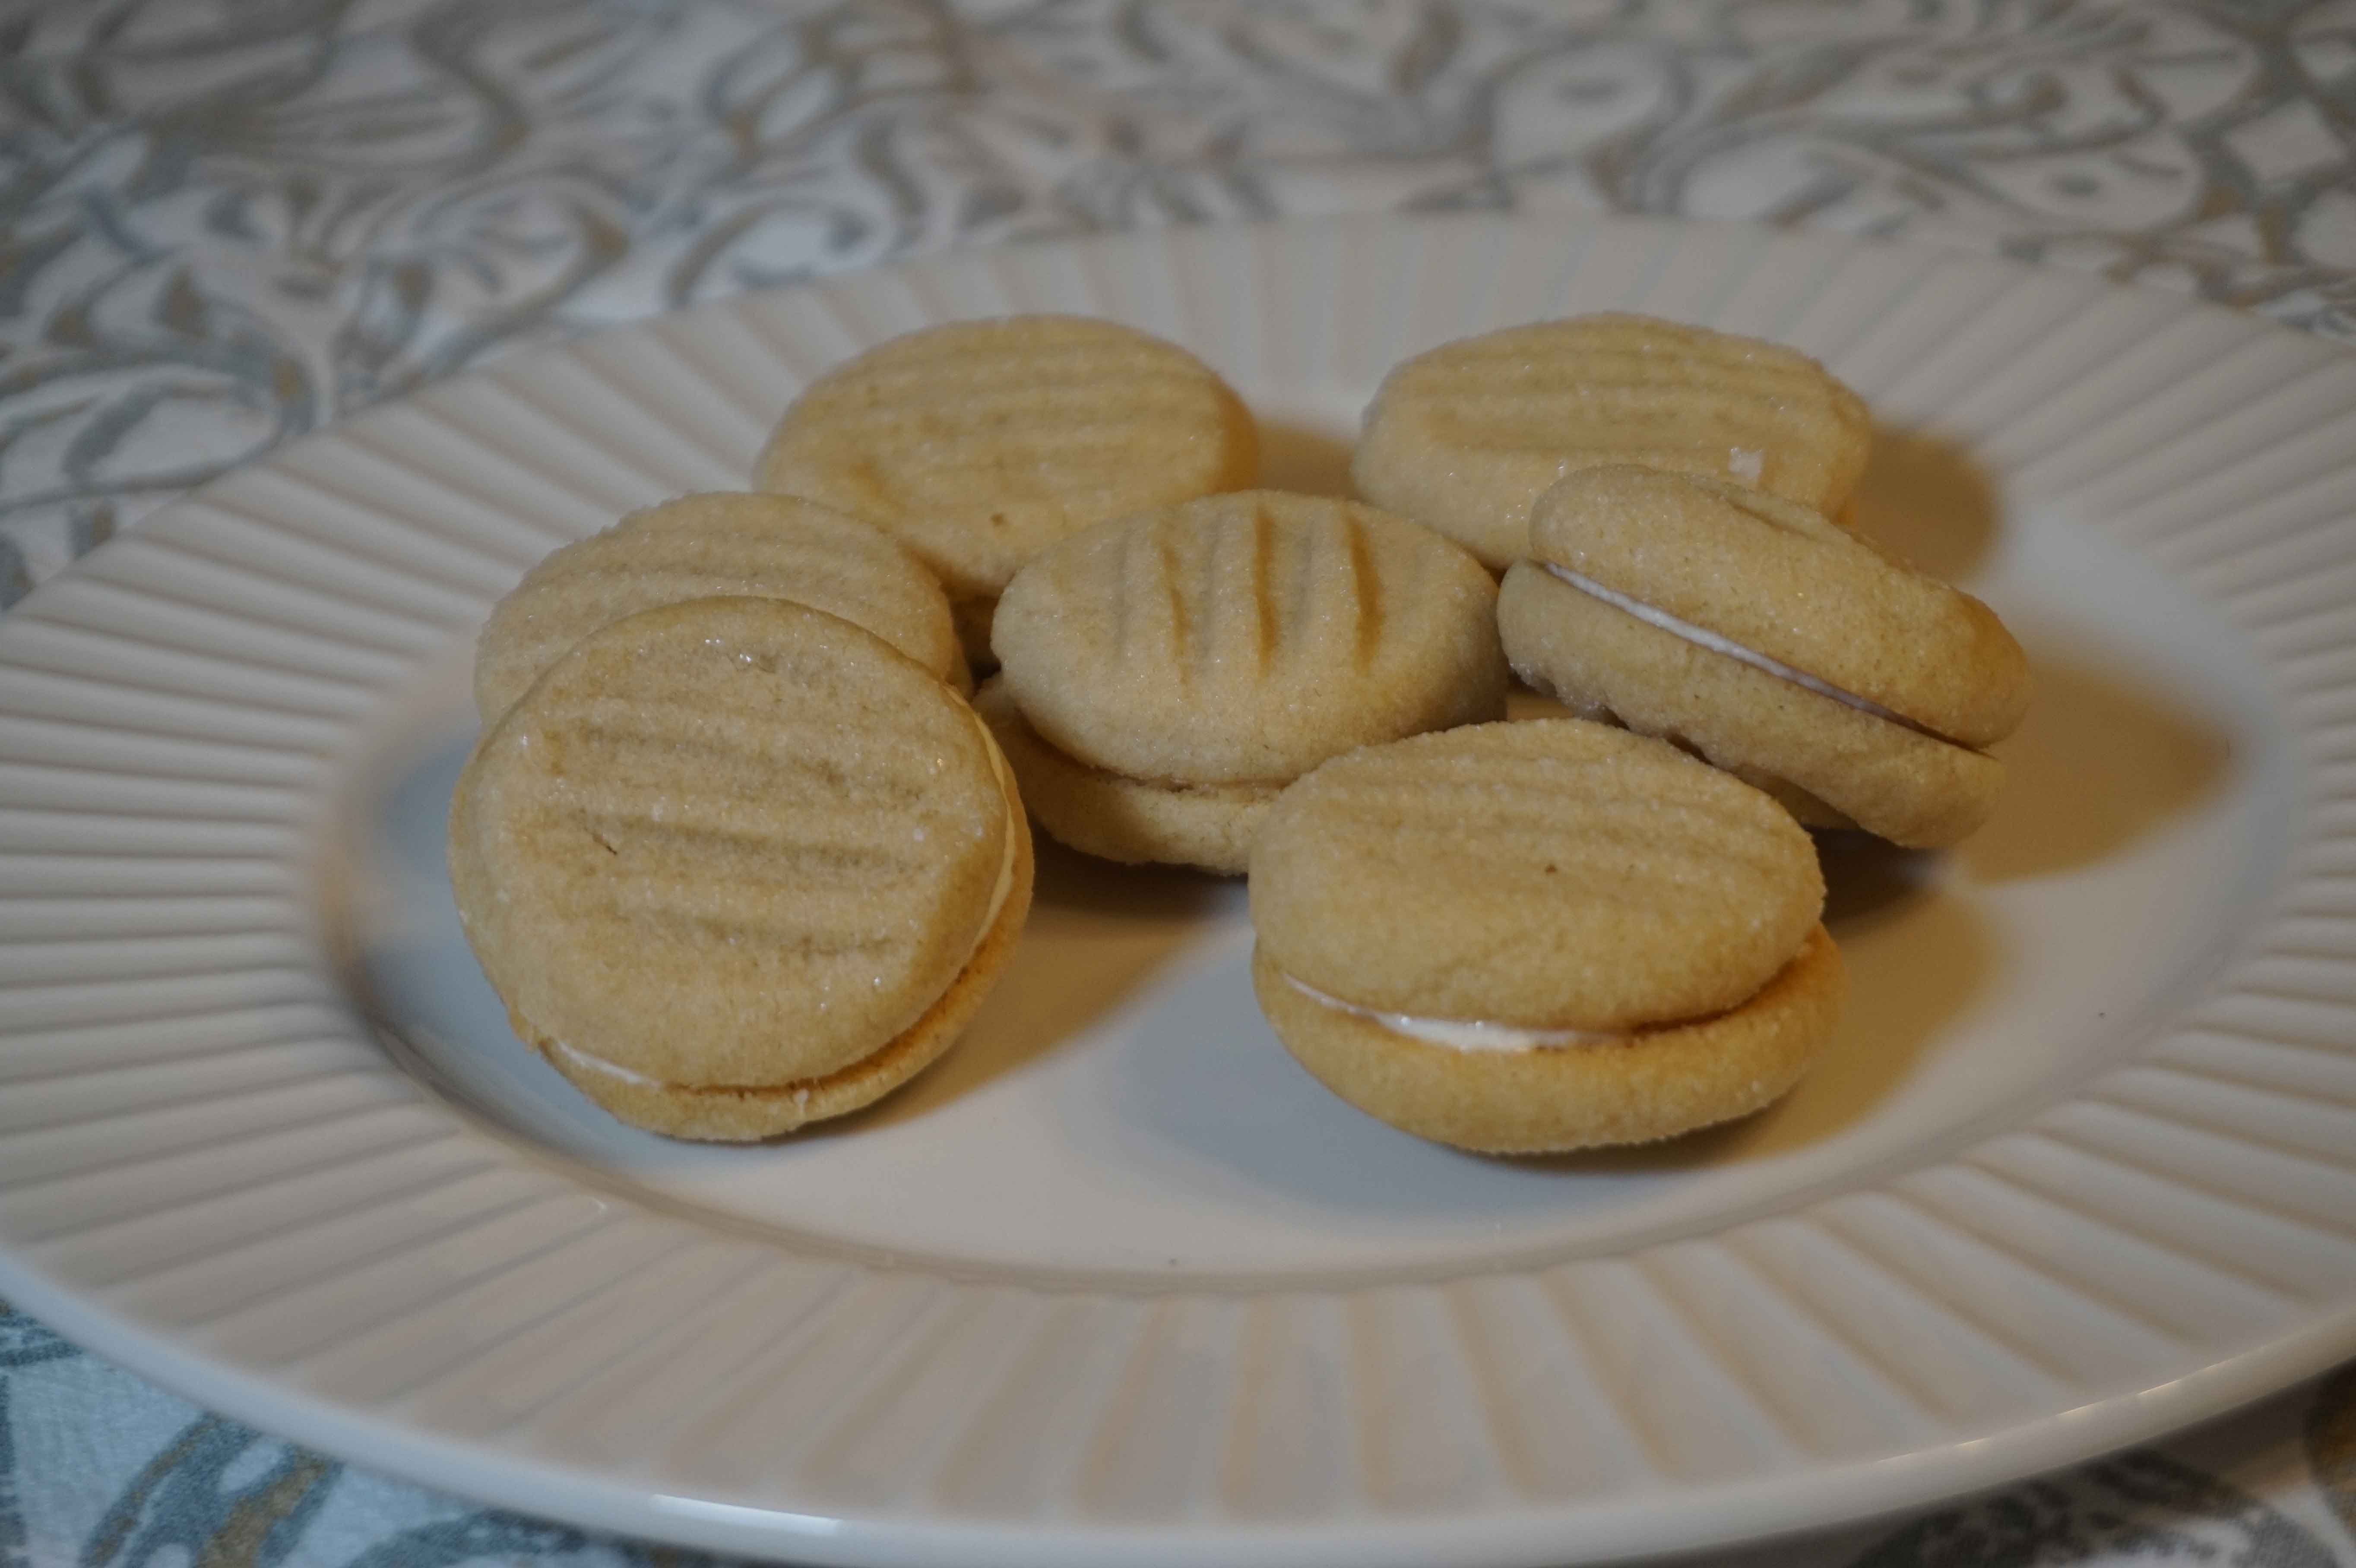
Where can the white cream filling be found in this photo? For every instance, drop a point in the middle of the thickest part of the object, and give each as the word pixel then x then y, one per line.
pixel 1702 636
pixel 598 1064
pixel 1459 1034
pixel 604 1068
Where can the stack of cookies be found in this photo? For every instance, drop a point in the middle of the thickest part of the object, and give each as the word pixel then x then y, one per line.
pixel 732 848
pixel 736 864
pixel 1663 501
pixel 738 854
pixel 1165 676
pixel 1527 937
pixel 1586 936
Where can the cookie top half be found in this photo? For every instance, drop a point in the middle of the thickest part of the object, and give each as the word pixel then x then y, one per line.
pixel 728 842
pixel 1547 873
pixel 706 547
pixel 1247 637
pixel 1463 437
pixel 1775 578
pixel 978 443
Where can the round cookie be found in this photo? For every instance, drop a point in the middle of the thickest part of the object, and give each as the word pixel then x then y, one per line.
pixel 1541 935
pixel 735 865
pixel 1183 665
pixel 1776 643
pixel 978 443
pixel 706 547
pixel 1463 437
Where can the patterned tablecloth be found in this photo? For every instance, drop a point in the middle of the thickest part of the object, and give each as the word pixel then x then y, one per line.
pixel 230 222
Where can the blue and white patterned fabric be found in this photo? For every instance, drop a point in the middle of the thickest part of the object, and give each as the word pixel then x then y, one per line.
pixel 230 223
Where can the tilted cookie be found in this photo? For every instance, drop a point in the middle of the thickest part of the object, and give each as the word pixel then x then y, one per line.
pixel 1782 647
pixel 1541 935
pixel 978 443
pixel 1165 676
pixel 1462 438
pixel 713 546
pixel 735 865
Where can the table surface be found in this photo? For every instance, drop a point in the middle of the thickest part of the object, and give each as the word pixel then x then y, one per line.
pixel 226 225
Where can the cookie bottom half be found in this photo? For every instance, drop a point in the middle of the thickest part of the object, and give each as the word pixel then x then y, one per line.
pixel 723 1112
pixel 1653 1084
pixel 1115 818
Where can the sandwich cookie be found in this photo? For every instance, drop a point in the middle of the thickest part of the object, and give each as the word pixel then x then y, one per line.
pixel 1541 935
pixel 1776 645
pixel 1463 437
pixel 1164 676
pixel 735 865
pixel 978 443
pixel 707 546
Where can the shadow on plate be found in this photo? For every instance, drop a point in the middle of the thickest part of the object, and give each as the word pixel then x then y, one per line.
pixel 2099 763
pixel 1917 955
pixel 1297 457
pixel 1926 501
pixel 1199 1098
pixel 1869 882
pixel 2099 760
pixel 1204 1096
pixel 1096 934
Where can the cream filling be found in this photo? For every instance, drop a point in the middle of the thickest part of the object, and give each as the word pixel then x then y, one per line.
pixel 1459 1034
pixel 604 1068
pixel 1702 636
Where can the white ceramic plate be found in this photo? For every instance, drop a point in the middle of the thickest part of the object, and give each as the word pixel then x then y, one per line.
pixel 1117 1282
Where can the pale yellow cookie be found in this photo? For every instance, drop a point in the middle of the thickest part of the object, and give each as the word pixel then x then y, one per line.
pixel 978 443
pixel 735 865
pixel 1185 664
pixel 706 547
pixel 1247 637
pixel 1541 935
pixel 1774 643
pixel 1463 437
